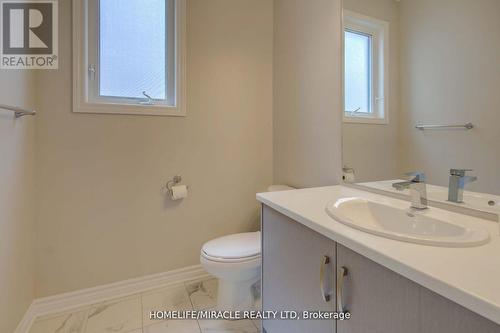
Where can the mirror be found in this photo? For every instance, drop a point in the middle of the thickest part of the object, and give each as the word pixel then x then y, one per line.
pixel 421 90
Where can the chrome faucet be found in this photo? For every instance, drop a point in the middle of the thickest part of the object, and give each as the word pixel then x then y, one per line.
pixel 458 179
pixel 417 187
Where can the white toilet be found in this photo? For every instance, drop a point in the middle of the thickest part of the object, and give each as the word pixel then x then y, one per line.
pixel 235 261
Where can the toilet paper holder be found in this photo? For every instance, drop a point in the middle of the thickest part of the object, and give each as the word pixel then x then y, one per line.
pixel 171 183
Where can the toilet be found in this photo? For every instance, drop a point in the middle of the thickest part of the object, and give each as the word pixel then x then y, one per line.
pixel 235 261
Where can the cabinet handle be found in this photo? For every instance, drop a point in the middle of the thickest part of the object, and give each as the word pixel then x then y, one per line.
pixel 340 287
pixel 324 261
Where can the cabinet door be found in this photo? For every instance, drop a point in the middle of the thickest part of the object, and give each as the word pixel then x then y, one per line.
pixel 440 315
pixel 293 257
pixel 379 300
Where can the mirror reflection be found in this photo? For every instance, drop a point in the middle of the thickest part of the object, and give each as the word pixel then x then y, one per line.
pixel 421 97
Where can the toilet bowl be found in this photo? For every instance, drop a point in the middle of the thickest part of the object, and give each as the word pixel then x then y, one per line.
pixel 235 261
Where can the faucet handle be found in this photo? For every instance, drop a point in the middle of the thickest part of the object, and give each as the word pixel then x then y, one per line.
pixel 459 172
pixel 417 176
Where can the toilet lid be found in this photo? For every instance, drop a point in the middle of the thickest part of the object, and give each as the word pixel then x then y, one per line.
pixel 234 246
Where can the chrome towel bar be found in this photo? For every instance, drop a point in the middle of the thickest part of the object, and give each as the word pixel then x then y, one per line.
pixel 19 112
pixel 467 126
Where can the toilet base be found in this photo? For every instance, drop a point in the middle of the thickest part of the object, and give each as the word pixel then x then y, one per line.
pixel 236 279
pixel 236 295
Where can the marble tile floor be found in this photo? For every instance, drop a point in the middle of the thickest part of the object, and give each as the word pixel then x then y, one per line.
pixel 131 314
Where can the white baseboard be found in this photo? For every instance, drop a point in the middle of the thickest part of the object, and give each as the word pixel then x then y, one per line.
pixel 76 299
pixel 28 319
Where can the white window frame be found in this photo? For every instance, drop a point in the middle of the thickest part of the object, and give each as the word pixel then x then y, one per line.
pixel 378 30
pixel 85 91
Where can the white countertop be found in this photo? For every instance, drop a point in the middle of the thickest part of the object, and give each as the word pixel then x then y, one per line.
pixel 467 276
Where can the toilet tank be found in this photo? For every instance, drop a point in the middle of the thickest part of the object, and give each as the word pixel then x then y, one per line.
pixel 277 188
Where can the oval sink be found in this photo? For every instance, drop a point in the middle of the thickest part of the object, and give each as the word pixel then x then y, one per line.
pixel 407 225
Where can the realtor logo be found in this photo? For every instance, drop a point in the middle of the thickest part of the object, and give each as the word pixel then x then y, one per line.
pixel 29 34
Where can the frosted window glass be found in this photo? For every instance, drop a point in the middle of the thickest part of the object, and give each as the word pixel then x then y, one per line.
pixel 132 48
pixel 357 72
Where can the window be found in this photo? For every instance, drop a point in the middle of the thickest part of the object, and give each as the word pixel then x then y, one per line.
pixel 366 57
pixel 129 56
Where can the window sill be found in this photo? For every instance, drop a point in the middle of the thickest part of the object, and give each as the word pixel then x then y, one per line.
pixel 124 109
pixel 365 120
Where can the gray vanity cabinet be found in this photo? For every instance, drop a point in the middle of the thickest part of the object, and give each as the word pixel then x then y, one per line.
pixel 293 259
pixel 379 300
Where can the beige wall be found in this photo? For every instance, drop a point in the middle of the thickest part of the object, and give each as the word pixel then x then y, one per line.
pixel 451 52
pixel 17 256
pixel 307 93
pixel 363 143
pixel 101 216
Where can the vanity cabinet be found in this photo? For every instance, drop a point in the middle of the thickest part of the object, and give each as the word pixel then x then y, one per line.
pixel 379 300
pixel 293 263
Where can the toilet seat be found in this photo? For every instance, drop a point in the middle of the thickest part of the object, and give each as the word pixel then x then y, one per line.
pixel 233 248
